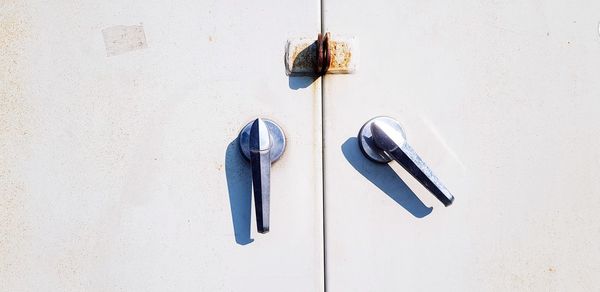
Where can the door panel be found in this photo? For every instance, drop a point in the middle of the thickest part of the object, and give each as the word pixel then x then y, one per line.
pixel 119 168
pixel 501 101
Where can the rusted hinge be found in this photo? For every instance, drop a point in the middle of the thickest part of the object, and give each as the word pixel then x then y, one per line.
pixel 327 54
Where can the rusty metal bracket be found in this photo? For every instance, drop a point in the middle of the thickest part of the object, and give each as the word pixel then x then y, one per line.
pixel 326 55
pixel 323 55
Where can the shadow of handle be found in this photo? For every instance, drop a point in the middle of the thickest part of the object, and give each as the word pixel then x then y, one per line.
pixel 385 178
pixel 239 185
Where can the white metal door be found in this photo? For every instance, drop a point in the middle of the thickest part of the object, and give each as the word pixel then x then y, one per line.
pixel 118 165
pixel 501 99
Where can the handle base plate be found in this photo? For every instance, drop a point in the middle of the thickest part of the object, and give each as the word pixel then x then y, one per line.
pixel 277 140
pixel 366 143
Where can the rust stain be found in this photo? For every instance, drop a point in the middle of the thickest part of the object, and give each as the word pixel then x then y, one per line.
pixel 14 136
pixel 340 55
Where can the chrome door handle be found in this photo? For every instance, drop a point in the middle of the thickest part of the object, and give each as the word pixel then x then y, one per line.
pixel 262 142
pixel 382 139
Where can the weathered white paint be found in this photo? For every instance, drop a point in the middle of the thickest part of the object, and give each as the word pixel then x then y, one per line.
pixel 113 170
pixel 501 99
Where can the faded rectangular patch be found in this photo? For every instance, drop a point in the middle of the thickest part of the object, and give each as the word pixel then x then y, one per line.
pixel 121 39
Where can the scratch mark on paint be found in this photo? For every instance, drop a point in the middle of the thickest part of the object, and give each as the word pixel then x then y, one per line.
pixel 442 141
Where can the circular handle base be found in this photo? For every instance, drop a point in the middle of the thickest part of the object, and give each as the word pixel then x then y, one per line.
pixel 366 143
pixel 277 140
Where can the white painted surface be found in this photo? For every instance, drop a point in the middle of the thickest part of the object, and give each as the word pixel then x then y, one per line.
pixel 113 170
pixel 502 101
pixel 114 175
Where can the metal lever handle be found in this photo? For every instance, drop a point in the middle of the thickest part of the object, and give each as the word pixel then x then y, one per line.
pixel 382 139
pixel 262 142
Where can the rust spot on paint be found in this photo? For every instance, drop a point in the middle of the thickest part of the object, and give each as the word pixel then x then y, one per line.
pixel 340 55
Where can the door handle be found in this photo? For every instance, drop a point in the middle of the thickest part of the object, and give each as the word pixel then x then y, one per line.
pixel 262 142
pixel 382 139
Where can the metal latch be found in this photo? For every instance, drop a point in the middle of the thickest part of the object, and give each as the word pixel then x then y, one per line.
pixel 325 55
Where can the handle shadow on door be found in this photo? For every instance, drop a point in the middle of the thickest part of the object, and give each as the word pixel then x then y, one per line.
pixel 385 178
pixel 239 185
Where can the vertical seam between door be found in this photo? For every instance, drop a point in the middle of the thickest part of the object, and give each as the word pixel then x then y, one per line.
pixel 322 12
